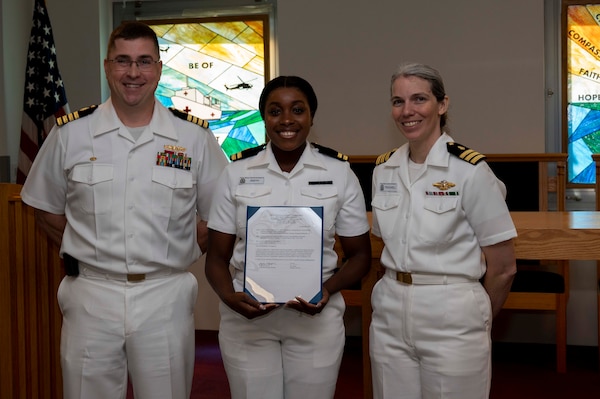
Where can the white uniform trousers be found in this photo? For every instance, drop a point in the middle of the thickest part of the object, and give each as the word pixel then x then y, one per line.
pixel 430 341
pixel 114 327
pixel 285 354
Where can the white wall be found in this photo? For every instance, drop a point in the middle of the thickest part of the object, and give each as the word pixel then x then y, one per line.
pixel 3 145
pixel 490 52
pixel 15 26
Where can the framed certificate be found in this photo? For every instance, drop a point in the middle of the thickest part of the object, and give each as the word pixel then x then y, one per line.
pixel 284 253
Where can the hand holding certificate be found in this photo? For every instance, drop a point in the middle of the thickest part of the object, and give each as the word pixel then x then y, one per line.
pixel 284 253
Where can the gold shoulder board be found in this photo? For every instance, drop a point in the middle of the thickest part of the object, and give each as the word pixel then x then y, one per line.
pixel 330 152
pixel 75 115
pixel 248 152
pixel 465 153
pixel 384 157
pixel 189 117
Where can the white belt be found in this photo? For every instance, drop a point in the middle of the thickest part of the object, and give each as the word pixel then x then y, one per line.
pixel 425 279
pixel 93 272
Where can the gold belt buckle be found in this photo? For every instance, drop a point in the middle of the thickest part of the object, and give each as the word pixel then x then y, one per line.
pixel 135 277
pixel 404 277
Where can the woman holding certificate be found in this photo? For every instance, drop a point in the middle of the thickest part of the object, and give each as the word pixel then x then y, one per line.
pixel 445 225
pixel 276 213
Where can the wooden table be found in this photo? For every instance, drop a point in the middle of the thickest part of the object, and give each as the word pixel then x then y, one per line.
pixel 560 236
pixel 557 235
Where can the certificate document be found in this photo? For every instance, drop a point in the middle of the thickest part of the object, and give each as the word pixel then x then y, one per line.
pixel 284 253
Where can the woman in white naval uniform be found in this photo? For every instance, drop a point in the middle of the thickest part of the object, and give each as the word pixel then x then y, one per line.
pixel 291 351
pixel 445 225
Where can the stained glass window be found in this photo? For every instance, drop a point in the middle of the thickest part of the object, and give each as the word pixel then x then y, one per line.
pixel 215 69
pixel 583 90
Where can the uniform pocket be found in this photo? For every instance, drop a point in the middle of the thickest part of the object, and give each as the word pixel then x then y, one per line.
pixel 325 196
pixel 385 208
pixel 484 304
pixel 92 187
pixel 252 191
pixel 60 296
pixel 250 195
pixel 172 177
pixel 173 190
pixel 439 219
pixel 440 204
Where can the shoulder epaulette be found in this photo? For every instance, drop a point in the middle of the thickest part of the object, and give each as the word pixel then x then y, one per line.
pixel 75 115
pixel 384 157
pixel 248 152
pixel 189 117
pixel 330 152
pixel 465 153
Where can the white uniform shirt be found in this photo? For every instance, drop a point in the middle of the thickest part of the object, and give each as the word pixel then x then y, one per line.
pixel 125 213
pixel 438 223
pixel 259 181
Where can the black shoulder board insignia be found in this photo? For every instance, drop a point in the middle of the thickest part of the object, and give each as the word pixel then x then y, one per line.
pixel 75 115
pixel 248 152
pixel 465 153
pixel 189 117
pixel 330 152
pixel 384 157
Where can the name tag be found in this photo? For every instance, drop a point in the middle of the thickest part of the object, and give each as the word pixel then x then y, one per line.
pixel 252 180
pixel 388 187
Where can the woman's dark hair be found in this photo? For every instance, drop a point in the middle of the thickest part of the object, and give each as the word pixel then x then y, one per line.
pixel 288 81
pixel 429 74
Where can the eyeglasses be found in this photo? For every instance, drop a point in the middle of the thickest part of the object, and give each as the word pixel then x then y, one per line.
pixel 143 64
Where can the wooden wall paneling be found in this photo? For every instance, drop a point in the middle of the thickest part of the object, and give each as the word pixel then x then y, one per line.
pixel 7 361
pixel 30 273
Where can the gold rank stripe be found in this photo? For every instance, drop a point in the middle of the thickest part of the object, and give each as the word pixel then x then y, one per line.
pixel 67 118
pixel 471 156
pixel 75 115
pixel 197 121
pixel 384 157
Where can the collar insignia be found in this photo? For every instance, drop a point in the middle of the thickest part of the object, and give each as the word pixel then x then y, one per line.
pixel 444 185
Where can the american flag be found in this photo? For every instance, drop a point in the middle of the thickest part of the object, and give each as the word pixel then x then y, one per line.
pixel 44 99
